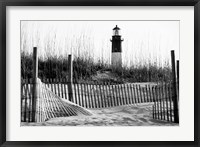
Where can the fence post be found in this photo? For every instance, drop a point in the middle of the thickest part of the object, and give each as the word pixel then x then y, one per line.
pixel 35 75
pixel 177 72
pixel 174 94
pixel 70 78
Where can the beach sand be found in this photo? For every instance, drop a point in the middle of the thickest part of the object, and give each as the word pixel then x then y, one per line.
pixel 130 115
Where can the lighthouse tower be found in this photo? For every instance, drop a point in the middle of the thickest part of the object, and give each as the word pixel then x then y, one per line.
pixel 116 56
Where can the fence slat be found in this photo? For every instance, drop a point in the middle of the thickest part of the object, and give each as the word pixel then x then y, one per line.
pixel 166 99
pixel 87 92
pixel 147 94
pixel 54 80
pixel 103 95
pixel 25 101
pixel 158 103
pixel 22 98
pixel 66 89
pixel 161 103
pixel 150 93
pixel 93 95
pixel 75 98
pixel 154 105
pixel 138 94
pixel 114 95
pixel 96 93
pixel 134 94
pixel 89 95
pixel 57 87
pixel 62 92
pixel 119 95
pixel 106 94
pixel 81 95
pixel 144 94
pixel 131 94
pixel 79 100
pixel 44 112
pixel 111 95
pixel 141 95
pixel 97 99
pixel 29 102
pixel 153 111
pixel 125 94
pixel 51 85
pixel 86 96
pixel 122 92
pixel 171 103
pixel 128 94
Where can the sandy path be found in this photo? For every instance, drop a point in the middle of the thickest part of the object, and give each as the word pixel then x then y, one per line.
pixel 132 115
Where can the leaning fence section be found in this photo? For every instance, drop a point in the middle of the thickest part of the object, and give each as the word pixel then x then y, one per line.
pixel 48 104
pixel 43 101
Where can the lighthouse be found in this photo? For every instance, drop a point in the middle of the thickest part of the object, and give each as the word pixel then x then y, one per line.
pixel 116 56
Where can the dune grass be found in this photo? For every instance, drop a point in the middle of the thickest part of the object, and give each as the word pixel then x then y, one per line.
pixel 85 68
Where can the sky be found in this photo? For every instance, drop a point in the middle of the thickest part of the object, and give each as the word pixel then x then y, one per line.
pixel 144 41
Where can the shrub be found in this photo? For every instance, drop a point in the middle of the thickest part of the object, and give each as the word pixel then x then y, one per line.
pixel 84 69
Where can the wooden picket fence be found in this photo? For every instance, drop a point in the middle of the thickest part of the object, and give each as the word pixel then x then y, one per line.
pixel 164 97
pixel 104 95
pixel 164 106
pixel 98 95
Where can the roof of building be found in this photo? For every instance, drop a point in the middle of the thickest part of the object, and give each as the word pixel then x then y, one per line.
pixel 116 28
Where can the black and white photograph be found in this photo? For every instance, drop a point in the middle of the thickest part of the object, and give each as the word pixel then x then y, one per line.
pixel 99 72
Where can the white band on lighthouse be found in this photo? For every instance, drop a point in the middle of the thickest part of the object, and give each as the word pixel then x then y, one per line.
pixel 116 59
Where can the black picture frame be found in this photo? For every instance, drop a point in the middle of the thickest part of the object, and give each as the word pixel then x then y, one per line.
pixel 5 3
